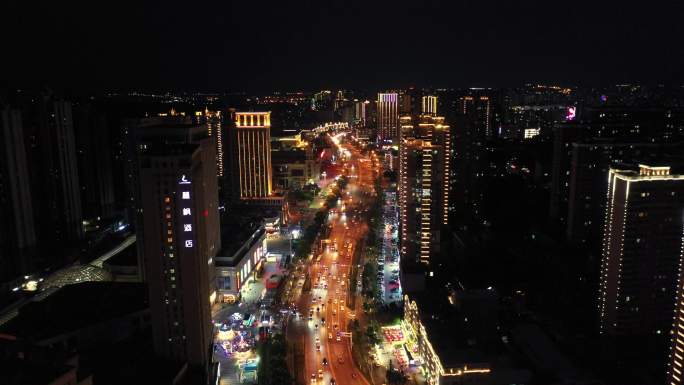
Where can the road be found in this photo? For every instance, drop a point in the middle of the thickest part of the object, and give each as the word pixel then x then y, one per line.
pixel 327 301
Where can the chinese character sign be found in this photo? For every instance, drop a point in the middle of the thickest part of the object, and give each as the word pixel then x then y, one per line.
pixel 184 190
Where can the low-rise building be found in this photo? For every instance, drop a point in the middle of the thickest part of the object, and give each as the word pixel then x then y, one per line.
pixel 293 162
pixel 439 351
pixel 241 256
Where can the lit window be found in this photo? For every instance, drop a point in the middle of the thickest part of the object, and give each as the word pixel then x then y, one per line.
pixel 186 194
pixel 187 227
pixel 167 200
pixel 186 211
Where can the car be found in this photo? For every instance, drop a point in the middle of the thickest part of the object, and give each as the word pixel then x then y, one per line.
pixel 335 327
pixel 320 373
pixel 325 361
pixel 332 381
pixel 334 312
pixel 318 310
pixel 313 378
pixel 318 347
pixel 339 338
pixel 315 326
pixel 329 336
pixel 310 318
pixel 322 320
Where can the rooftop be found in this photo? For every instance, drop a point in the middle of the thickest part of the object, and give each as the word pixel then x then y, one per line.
pixel 237 229
pixel 76 306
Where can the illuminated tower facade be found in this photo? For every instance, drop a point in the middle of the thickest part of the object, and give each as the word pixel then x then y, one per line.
pixel 429 105
pixel 179 196
pixel 250 144
pixel 424 170
pixel 388 116
pixel 642 250
pixel 214 123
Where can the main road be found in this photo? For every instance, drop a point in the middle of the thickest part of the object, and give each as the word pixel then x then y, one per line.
pixel 321 334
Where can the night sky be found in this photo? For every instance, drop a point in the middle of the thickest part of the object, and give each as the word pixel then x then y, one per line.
pixel 304 45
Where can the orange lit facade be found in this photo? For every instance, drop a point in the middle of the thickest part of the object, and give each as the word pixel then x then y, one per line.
pixel 429 105
pixel 388 116
pixel 251 155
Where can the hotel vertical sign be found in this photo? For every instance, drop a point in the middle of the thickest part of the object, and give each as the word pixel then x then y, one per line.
pixel 186 207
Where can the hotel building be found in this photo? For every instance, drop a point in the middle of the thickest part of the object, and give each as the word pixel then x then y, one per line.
pixel 179 199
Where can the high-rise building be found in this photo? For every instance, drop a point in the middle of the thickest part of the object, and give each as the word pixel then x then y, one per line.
pixel 478 108
pixel 424 170
pixel 590 162
pixel 180 230
pixel 429 105
pixel 214 122
pixel 564 134
pixel 141 135
pixel 250 153
pixel 52 156
pixel 675 362
pixel 642 251
pixel 360 112
pixel 17 234
pixel 388 116
pixel 94 161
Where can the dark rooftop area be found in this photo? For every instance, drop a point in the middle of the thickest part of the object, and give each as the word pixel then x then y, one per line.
pixel 76 306
pixel 127 257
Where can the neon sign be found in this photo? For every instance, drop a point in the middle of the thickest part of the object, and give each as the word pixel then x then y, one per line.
pixel 571 113
pixel 186 210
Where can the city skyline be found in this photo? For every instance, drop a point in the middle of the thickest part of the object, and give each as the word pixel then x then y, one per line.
pixel 342 193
